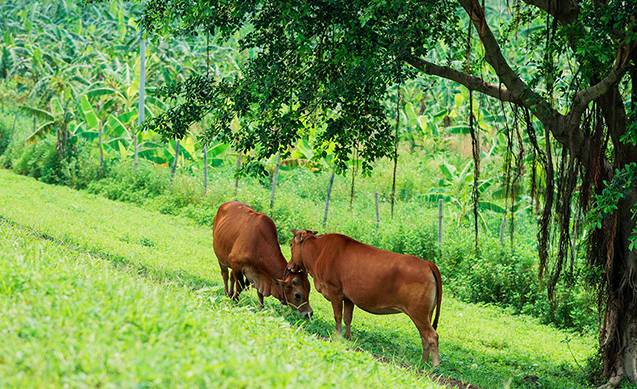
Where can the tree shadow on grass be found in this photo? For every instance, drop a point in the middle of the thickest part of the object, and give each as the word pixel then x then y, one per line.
pixel 460 366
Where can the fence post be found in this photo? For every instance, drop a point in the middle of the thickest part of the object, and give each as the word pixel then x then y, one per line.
pixel 142 94
pixel 502 228
pixel 440 204
pixel 327 199
pixel 275 176
pixel 377 211
pixel 236 175
pixel 205 169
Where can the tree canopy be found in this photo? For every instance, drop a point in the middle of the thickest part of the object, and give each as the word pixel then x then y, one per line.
pixel 326 66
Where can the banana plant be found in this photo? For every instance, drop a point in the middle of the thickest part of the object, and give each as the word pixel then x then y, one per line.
pixel 455 187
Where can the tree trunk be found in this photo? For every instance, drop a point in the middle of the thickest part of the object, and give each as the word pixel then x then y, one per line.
pixel 618 337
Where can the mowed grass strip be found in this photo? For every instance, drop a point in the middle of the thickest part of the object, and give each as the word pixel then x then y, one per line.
pixel 70 318
pixel 481 345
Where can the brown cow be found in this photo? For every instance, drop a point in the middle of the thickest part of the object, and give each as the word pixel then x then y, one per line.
pixel 348 273
pixel 246 242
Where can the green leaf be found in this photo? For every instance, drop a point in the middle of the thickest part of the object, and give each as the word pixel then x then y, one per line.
pixel 89 113
pixel 489 206
pixel 115 126
pixel 38 112
pixel 448 170
pixel 217 150
pixel 40 131
pixel 459 129
pixel 98 92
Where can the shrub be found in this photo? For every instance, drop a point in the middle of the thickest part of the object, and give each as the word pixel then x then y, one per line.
pixel 124 182
pixel 499 275
pixel 42 161
pixel 5 137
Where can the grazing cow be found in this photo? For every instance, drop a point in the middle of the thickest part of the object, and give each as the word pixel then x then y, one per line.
pixel 348 273
pixel 246 242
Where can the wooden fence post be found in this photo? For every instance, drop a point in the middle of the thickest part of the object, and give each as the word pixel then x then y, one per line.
pixel 275 176
pixel 236 175
pixel 327 199
pixel 205 169
pixel 440 204
pixel 377 211
pixel 142 93
pixel 173 170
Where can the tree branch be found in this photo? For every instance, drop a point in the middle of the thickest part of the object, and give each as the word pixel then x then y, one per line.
pixel 529 98
pixel 564 128
pixel 594 92
pixel 471 82
pixel 565 11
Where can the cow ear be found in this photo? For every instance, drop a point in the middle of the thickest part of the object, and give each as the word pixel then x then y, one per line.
pixel 294 231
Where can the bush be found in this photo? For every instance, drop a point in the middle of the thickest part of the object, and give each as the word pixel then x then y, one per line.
pixel 124 182
pixel 5 137
pixel 42 161
pixel 499 275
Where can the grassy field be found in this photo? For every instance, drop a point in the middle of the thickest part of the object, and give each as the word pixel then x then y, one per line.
pixel 95 292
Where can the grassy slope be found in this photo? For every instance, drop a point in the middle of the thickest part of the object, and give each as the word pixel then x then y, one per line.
pixel 96 324
pixel 481 345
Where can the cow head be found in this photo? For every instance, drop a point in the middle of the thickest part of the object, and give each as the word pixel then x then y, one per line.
pixel 300 236
pixel 296 291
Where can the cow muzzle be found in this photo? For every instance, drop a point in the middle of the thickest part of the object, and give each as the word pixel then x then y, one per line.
pixel 308 314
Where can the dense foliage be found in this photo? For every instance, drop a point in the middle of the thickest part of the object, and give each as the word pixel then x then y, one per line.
pixel 579 99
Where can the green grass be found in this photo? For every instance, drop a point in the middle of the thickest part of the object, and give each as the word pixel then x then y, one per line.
pixel 79 320
pixel 89 264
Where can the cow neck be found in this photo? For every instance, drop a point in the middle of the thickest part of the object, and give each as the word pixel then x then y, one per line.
pixel 273 263
pixel 308 257
pixel 276 272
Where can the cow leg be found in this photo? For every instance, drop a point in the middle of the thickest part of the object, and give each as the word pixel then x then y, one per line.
pixel 348 311
pixel 433 344
pixel 260 299
pixel 429 338
pixel 337 306
pixel 233 281
pixel 239 283
pixel 224 274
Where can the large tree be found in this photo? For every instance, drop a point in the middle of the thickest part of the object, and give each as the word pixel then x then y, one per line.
pixel 330 63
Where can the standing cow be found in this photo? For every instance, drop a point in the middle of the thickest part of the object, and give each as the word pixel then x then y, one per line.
pixel 348 273
pixel 246 243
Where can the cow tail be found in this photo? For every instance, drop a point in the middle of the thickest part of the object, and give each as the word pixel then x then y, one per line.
pixel 437 276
